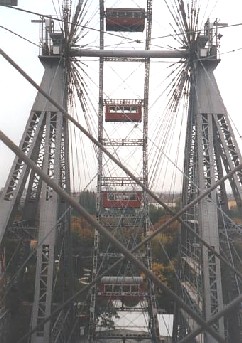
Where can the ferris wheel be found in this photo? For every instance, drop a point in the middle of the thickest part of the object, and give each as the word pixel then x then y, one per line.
pixel 122 205
pixel 93 114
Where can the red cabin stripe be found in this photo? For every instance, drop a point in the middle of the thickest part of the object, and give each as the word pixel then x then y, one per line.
pixel 126 113
pixel 121 199
pixel 123 110
pixel 125 19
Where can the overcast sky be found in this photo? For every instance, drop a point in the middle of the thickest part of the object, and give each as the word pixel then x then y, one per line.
pixel 17 95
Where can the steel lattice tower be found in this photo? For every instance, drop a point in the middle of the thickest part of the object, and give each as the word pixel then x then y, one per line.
pixel 210 151
pixel 45 216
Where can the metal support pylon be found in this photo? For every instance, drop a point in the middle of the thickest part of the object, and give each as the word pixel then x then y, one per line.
pixel 45 141
pixel 211 149
pixel 49 203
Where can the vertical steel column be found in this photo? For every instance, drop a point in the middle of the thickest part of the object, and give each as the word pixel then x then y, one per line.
pixel 152 306
pixel 92 319
pixel 210 148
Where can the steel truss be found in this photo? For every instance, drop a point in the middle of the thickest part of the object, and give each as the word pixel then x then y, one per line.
pixel 211 149
pixel 45 141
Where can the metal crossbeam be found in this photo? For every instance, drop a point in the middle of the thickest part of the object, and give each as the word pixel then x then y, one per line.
pixel 129 53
